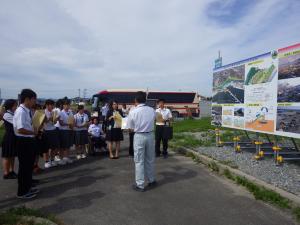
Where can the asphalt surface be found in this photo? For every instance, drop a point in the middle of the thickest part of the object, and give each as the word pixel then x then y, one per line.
pixel 98 191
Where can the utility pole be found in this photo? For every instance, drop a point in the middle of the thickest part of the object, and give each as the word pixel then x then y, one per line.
pixel 84 93
pixel 79 93
pixel 0 94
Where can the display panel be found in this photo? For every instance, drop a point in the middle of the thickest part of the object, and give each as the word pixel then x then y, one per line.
pixel 260 94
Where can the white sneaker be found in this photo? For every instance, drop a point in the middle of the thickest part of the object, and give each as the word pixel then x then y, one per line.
pixel 62 162
pixel 53 163
pixel 67 160
pixel 48 165
pixel 57 159
pixel 83 156
pixel 78 156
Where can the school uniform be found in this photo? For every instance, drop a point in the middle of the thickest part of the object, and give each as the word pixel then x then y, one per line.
pixel 141 120
pixel 159 132
pixel 81 133
pixel 113 133
pixel 9 148
pixel 96 133
pixel 51 134
pixel 66 136
pixel 26 146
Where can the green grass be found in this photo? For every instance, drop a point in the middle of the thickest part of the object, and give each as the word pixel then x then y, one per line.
pixel 192 125
pixel 15 216
pixel 187 141
pixel 264 194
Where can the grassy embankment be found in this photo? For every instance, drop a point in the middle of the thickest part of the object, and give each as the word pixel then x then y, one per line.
pixel 25 216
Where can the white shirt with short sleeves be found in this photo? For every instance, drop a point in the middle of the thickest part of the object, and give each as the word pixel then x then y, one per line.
pixel 22 119
pixel 166 114
pixel 8 116
pixel 57 125
pixel 49 125
pixel 81 119
pixel 95 130
pixel 64 116
pixel 141 119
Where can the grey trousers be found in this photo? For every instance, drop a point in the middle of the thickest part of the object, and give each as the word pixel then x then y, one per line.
pixel 144 156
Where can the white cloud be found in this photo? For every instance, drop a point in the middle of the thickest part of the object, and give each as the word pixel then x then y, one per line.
pixel 70 44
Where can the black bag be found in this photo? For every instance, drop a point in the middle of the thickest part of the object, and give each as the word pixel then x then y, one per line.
pixel 168 132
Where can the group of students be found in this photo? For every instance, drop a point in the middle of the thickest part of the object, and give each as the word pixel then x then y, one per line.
pixel 61 128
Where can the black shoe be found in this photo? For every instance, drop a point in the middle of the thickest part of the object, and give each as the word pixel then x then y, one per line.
pixel 29 195
pixel 14 175
pixel 7 177
pixel 166 156
pixel 136 188
pixel 152 184
pixel 34 190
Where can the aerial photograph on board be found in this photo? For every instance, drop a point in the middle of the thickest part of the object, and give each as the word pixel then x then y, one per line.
pixel 228 85
pixel 289 90
pixel 288 119
pixel 289 67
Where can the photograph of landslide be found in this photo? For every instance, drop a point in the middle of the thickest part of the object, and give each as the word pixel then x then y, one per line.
pixel 228 85
pixel 258 75
pixel 289 90
pixel 289 67
pixel 216 113
pixel 288 119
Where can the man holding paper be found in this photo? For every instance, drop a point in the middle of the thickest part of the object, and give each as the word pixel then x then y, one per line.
pixel 163 117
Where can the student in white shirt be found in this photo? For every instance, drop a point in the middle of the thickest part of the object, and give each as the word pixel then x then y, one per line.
pixel 66 132
pixel 166 115
pixel 97 134
pixel 81 132
pixel 22 122
pixel 51 135
pixel 9 151
pixel 58 109
pixel 141 121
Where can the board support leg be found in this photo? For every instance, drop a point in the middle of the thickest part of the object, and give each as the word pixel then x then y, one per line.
pixel 259 154
pixel 278 159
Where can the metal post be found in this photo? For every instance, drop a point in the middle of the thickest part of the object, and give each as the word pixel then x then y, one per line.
pixel 278 159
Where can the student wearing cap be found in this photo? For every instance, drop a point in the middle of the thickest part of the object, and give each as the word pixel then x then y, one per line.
pixel 22 123
pixel 166 115
pixel 141 121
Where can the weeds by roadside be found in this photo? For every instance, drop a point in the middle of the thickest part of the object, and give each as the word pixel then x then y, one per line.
pixel 21 216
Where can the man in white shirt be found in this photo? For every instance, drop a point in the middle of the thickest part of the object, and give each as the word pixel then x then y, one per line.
pixel 141 121
pixel 164 115
pixel 22 123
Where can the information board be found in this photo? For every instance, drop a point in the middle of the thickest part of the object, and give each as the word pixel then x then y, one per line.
pixel 260 94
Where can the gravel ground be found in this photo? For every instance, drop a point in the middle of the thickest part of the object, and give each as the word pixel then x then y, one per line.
pixel 286 176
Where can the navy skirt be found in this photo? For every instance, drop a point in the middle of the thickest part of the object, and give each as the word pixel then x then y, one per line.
pixel 66 138
pixel 51 139
pixel 81 137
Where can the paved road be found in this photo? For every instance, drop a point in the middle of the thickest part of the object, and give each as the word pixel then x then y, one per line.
pixel 98 191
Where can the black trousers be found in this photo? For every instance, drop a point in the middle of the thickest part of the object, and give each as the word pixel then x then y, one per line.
pixel 159 131
pixel 26 155
pixel 131 137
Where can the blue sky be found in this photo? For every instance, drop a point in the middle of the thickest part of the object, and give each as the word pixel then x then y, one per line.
pixel 58 46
